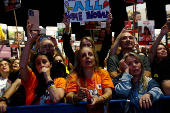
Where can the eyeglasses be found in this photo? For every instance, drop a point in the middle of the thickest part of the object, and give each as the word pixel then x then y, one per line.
pixel 47 46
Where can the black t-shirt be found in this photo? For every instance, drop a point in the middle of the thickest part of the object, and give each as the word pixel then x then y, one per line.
pixel 160 70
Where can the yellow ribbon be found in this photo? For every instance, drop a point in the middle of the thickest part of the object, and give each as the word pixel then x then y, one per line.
pixel 68 8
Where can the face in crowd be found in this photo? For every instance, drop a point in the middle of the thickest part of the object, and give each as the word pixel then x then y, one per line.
pixel 15 65
pixel 59 59
pixel 161 52
pixel 102 33
pixel 134 65
pixel 4 67
pixel 48 46
pixel 41 62
pixel 87 59
pixel 127 41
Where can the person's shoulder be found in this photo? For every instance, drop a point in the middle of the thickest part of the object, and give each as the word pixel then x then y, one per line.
pixel 114 57
pixel 103 72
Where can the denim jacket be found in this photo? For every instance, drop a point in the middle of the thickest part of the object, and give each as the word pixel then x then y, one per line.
pixel 124 89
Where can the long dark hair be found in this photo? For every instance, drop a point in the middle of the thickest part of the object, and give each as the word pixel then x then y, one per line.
pixel 41 87
pixel 149 33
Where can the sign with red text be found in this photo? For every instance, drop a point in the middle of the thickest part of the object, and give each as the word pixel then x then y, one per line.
pixel 134 1
pixel 12 4
pixel 86 10
pixel 146 31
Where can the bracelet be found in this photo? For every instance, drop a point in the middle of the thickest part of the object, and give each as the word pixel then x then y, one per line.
pixel 105 98
pixel 50 87
pixel 105 95
pixel 50 83
pixel 73 99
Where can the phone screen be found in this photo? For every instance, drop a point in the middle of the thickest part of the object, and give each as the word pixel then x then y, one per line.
pixel 33 16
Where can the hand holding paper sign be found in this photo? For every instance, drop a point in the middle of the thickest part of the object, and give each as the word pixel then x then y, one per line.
pixel 66 22
pixel 109 20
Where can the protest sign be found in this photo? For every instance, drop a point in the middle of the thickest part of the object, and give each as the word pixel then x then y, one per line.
pixel 146 32
pixel 13 38
pixel 134 1
pixel 12 4
pixel 86 10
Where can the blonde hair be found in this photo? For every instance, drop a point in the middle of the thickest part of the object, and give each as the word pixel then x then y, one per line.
pixel 78 69
pixel 143 78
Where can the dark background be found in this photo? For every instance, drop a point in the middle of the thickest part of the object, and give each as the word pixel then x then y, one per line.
pixel 51 13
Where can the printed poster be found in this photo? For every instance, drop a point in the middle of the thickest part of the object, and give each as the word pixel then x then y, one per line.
pixel 61 30
pixel 12 4
pixel 146 32
pixel 141 14
pixel 86 10
pixel 14 39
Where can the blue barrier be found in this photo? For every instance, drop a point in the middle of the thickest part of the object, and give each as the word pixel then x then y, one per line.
pixel 115 106
pixel 122 106
pixel 50 108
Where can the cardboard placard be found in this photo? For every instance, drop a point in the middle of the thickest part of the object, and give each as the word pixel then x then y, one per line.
pixel 86 10
pixel 12 4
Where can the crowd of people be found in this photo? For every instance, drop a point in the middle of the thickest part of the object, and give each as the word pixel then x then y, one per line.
pixel 42 76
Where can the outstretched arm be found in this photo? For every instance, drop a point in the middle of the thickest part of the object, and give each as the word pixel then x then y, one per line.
pixel 66 41
pixel 154 46
pixel 31 36
pixel 116 43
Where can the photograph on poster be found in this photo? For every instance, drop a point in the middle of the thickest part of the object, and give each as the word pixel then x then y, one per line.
pixel 168 12
pixel 61 31
pixel 146 30
pixel 12 33
pixel 86 10
pixel 100 34
pixel 140 14
pixel 12 4
pixel 157 32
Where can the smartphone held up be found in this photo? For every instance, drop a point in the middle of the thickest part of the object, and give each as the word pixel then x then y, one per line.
pixel 33 16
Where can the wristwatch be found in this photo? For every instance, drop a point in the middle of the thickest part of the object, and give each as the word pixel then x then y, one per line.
pixel 3 99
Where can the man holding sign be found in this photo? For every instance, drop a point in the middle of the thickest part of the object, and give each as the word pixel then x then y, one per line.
pixel 86 10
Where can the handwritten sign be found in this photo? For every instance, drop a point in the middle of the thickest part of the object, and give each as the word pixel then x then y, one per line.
pixel 86 10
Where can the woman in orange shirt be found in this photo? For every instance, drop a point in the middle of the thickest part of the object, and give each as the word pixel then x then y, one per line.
pixel 87 76
pixel 38 84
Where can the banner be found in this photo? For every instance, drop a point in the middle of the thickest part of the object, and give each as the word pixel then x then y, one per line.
pixel 12 4
pixel 86 10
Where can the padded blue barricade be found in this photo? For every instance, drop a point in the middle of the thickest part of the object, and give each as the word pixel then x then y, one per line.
pixel 50 108
pixel 122 106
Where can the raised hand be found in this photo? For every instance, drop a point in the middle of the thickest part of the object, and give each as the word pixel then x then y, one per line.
pixel 31 35
pixel 164 29
pixel 123 66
